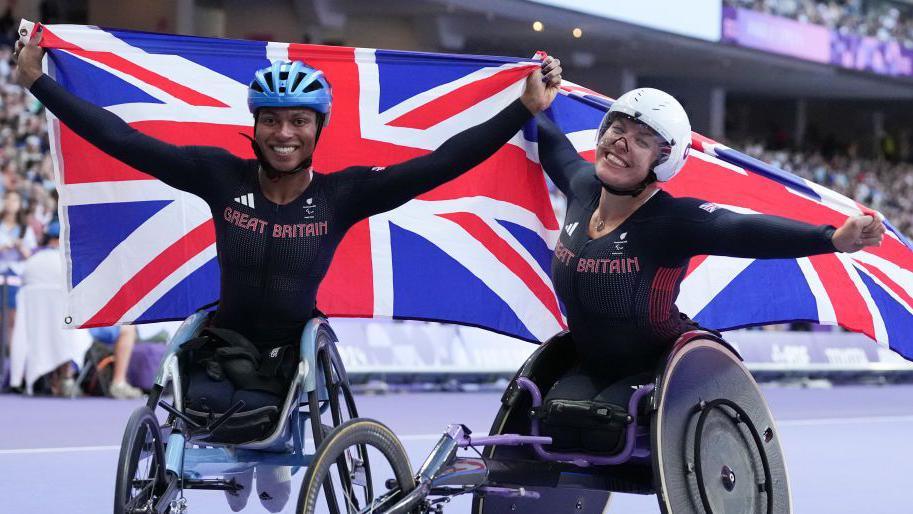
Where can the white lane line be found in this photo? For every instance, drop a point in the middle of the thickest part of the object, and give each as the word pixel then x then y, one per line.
pixel 844 421
pixel 434 437
pixel 70 449
pixel 60 450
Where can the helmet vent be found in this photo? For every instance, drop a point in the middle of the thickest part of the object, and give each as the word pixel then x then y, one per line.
pixel 298 78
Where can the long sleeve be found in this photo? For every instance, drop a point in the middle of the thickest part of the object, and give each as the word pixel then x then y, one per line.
pixel 177 166
pixel 374 190
pixel 559 158
pixel 717 231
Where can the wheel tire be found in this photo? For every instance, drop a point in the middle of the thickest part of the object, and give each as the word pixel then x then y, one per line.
pixel 339 395
pixel 359 433
pixel 142 440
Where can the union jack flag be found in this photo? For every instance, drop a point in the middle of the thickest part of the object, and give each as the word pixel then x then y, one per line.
pixel 474 251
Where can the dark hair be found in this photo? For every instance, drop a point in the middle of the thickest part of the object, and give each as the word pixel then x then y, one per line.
pixel 21 214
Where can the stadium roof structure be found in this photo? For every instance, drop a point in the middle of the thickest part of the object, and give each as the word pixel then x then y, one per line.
pixel 504 26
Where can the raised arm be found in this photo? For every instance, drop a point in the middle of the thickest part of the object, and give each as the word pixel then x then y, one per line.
pixel 177 166
pixel 375 190
pixel 558 156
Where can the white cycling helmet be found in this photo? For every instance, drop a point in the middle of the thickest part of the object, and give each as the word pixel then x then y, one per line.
pixel 661 112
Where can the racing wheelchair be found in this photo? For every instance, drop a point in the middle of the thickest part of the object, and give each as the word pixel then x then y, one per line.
pixel 699 436
pixel 159 460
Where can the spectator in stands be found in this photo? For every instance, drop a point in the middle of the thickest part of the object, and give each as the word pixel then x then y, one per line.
pixel 17 242
pixel 40 344
pixel 123 338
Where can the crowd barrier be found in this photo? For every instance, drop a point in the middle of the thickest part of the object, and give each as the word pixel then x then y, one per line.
pixel 385 349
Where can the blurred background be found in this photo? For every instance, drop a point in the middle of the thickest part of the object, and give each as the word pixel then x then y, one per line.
pixel 823 89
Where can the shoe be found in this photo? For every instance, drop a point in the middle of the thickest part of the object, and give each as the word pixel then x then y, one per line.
pixel 69 389
pixel 124 391
pixel 237 500
pixel 274 486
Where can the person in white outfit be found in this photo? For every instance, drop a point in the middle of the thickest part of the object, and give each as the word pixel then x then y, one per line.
pixel 40 344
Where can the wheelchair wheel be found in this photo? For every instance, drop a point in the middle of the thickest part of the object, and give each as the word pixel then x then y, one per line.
pixel 325 414
pixel 718 445
pixel 339 455
pixel 141 466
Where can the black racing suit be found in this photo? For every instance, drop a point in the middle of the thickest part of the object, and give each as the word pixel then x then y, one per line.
pixel 619 290
pixel 273 257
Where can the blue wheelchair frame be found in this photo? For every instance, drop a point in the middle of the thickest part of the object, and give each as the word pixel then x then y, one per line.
pixel 189 456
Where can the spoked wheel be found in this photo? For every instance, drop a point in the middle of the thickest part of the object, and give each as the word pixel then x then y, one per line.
pixel 330 405
pixel 338 454
pixel 141 466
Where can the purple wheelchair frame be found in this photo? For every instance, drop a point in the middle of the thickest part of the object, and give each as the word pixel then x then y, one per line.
pixel 633 433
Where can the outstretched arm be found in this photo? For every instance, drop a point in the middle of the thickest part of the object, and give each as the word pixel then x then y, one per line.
pixel 558 156
pixel 177 166
pixel 381 189
pixel 705 229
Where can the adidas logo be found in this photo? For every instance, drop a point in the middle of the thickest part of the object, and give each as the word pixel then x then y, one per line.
pixel 571 227
pixel 247 200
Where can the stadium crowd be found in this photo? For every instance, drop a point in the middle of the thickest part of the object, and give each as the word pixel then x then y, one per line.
pixel 879 19
pixel 878 183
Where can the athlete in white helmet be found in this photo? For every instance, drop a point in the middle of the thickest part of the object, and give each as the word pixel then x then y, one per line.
pixel 626 244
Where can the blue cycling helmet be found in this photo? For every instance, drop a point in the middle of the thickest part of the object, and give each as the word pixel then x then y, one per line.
pixel 291 84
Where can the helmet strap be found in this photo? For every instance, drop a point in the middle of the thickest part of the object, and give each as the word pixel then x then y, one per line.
pixel 271 172
pixel 633 192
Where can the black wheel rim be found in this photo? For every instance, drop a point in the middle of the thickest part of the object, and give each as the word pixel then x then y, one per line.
pixel 351 465
pixel 142 479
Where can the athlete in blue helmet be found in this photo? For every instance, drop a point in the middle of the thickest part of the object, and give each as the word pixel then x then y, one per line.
pixel 277 220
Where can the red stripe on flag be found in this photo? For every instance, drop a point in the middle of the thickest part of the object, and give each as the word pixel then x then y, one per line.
pixel 459 100
pixel 695 262
pixel 698 141
pixel 153 273
pixel 347 289
pixel 849 306
pixel 889 283
pixel 179 91
pixel 507 176
pixel 478 229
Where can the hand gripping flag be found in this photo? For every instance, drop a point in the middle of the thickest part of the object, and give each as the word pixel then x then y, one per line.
pixel 474 251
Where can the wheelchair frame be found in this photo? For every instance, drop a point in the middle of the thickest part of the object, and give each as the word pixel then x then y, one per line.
pixel 189 457
pixel 585 479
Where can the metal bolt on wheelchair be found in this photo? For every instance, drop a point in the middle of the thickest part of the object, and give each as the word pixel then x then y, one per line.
pixel 165 452
pixel 700 437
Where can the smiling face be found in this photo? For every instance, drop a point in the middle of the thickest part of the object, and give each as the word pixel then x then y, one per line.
pixel 626 153
pixel 286 135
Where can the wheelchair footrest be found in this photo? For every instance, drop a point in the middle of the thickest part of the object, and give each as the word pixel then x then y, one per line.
pixel 212 484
